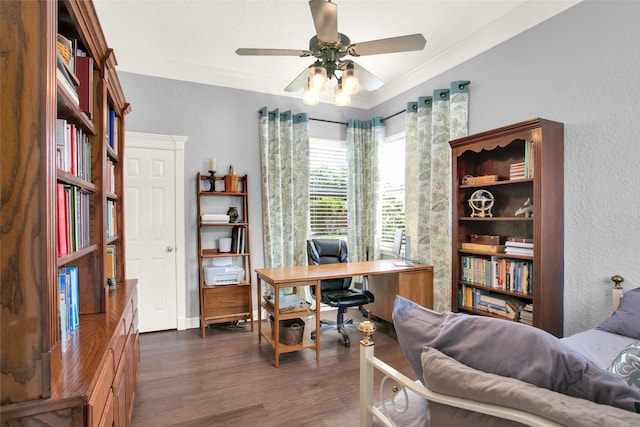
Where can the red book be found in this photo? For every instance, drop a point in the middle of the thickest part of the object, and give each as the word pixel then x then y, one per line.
pixel 84 72
pixel 62 221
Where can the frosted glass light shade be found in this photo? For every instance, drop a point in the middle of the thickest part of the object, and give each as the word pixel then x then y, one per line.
pixel 317 78
pixel 350 81
pixel 341 98
pixel 310 96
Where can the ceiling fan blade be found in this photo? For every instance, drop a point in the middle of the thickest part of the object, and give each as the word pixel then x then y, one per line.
pixel 299 82
pixel 272 52
pixel 325 19
pixel 390 45
pixel 367 80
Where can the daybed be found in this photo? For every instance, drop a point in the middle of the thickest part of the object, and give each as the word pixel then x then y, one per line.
pixel 482 371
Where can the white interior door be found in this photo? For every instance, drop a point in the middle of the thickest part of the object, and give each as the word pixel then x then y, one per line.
pixel 151 235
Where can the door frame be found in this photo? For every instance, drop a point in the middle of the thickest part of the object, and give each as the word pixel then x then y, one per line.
pixel 176 144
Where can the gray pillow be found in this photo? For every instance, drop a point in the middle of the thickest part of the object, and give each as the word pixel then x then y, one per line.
pixel 627 364
pixel 445 375
pixel 626 319
pixel 508 349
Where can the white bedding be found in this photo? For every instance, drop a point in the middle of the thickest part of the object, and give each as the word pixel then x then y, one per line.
pixel 598 346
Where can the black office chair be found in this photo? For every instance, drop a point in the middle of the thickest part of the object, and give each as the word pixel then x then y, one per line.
pixel 336 292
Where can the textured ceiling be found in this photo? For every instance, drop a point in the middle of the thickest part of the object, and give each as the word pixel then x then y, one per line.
pixel 195 40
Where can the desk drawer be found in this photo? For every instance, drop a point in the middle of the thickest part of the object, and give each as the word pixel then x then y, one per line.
pixel 225 301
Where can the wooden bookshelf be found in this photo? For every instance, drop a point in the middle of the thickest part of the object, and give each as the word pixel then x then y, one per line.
pixel 86 377
pixel 539 144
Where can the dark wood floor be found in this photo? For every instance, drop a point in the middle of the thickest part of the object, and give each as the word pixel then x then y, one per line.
pixel 227 379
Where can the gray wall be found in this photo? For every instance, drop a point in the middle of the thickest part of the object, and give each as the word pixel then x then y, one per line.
pixel 580 68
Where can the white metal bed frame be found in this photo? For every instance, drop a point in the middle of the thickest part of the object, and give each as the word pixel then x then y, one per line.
pixel 369 363
pixel 369 410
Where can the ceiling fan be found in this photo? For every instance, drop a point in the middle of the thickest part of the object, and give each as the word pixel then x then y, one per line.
pixel 330 48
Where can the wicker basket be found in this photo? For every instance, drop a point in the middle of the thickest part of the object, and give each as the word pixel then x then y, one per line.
pixel 291 331
pixel 231 181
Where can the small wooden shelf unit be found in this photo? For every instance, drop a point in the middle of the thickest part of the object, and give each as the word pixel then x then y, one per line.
pixel 229 302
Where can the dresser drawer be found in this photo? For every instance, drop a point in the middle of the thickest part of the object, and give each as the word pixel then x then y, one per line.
pixel 225 301
pixel 101 394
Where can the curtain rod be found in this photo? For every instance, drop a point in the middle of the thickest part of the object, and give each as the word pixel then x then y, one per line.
pixel 345 123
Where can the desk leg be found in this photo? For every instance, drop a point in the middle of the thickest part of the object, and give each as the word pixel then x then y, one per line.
pixel 259 310
pixel 318 320
pixel 276 323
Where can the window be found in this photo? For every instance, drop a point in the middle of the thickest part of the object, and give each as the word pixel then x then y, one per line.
pixel 328 188
pixel 392 190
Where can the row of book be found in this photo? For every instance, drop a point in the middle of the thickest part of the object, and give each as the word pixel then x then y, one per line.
pixel 497 304
pixel 111 265
pixel 111 228
pixel 238 240
pixel 75 73
pixel 526 314
pixel 73 150
pixel 73 222
pixel 519 247
pixel 113 124
pixel 498 272
pixel 523 170
pixel 68 310
pixel 110 177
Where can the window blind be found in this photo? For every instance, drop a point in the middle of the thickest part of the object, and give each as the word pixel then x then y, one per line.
pixel 392 190
pixel 328 188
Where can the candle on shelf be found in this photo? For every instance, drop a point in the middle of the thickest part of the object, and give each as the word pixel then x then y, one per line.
pixel 212 164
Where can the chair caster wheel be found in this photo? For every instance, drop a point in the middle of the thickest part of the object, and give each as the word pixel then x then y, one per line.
pixel 313 335
pixel 347 343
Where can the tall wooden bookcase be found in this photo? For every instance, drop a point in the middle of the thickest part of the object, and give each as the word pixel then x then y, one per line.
pixel 90 377
pixel 488 154
pixel 221 302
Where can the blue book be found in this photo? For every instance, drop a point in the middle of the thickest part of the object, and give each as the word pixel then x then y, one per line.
pixel 74 316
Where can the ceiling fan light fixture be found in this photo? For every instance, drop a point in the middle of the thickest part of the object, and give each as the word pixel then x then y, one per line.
pixel 310 96
pixel 317 77
pixel 350 80
pixel 341 98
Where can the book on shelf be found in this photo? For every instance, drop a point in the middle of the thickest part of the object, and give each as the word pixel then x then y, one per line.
pixel 110 228
pixel 483 247
pixel 63 311
pixel 510 250
pixel 111 265
pixel 68 289
pixel 519 246
pixel 486 239
pixel 520 239
pixel 238 240
pixel 112 129
pixel 498 272
pixel 526 314
pixel 61 223
pixel 73 150
pixel 67 78
pixel 84 72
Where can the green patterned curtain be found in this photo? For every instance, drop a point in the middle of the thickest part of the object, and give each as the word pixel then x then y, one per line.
pixel 364 204
pixel 430 124
pixel 284 143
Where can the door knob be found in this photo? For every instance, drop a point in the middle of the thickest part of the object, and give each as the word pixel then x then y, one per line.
pixel 169 248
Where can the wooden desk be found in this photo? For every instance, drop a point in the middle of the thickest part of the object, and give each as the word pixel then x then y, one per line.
pixel 385 281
